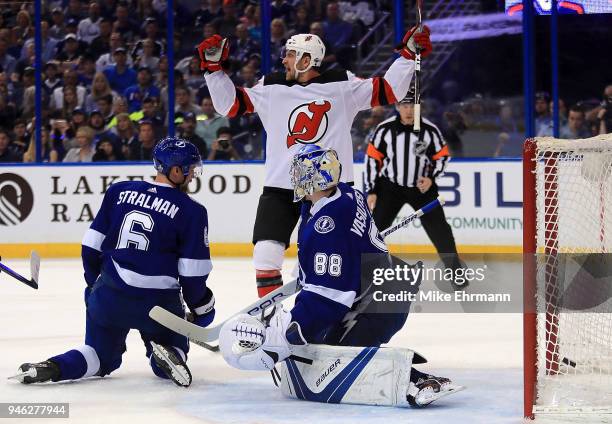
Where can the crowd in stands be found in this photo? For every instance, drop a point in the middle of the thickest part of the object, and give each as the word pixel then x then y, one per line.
pixel 105 73
pixel 105 80
pixel 493 127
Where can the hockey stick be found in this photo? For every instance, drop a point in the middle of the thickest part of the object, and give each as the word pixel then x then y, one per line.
pixel 34 269
pixel 417 72
pixel 203 336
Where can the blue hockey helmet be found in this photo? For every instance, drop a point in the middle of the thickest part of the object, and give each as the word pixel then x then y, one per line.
pixel 175 151
pixel 314 169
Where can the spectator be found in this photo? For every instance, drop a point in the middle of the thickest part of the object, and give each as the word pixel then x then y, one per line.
pixel 255 26
pixel 23 28
pixel 227 23
pixel 543 120
pixel 61 135
pixel 222 147
pixel 546 128
pixel 144 88
pixel 107 151
pixel 96 121
pixel 278 37
pixel 146 137
pixel 125 130
pixel 105 105
pixel 357 12
pixel 337 31
pixel 208 13
pixel 246 78
pixel 49 150
pixel 510 137
pixel 119 105
pixel 74 10
pixel 85 150
pixel 148 58
pixel 70 80
pixel 575 127
pixel 604 116
pixel 52 81
pixel 187 126
pixel 183 101
pixel 248 17
pixel 99 88
pixel 317 28
pixel 150 112
pixel 70 101
pixel 119 75
pixel 151 29
pixel 210 122
pixel 70 51
pixel 302 21
pixel 244 46
pixel 124 24
pixel 8 113
pixel 193 75
pixel 58 29
pixel 86 70
pixel 21 137
pixel 7 62
pixel 49 44
pixel 101 44
pixel 89 28
pixel 6 153
pixel 283 10
pixel 78 119
pixel 108 59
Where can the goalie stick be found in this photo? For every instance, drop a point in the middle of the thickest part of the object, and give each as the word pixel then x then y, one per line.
pixel 202 336
pixel 34 269
pixel 417 72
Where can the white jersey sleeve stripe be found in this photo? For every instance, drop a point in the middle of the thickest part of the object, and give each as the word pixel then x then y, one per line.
pixel 194 267
pixel 342 297
pixel 93 239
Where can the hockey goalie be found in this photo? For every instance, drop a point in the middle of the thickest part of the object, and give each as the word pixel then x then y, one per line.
pixel 328 347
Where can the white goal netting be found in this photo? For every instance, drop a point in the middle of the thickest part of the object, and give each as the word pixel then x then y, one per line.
pixel 573 284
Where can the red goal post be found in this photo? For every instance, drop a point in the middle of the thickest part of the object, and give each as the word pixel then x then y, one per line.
pixel 567 209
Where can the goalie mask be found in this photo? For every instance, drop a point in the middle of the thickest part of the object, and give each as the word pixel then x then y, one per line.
pixel 306 43
pixel 314 169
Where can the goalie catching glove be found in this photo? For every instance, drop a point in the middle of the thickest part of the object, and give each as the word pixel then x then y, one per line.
pixel 413 40
pixel 213 52
pixel 249 343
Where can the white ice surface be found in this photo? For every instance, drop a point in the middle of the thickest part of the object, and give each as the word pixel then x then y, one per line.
pixel 481 351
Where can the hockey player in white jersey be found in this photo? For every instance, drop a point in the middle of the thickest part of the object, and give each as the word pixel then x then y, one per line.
pixel 330 325
pixel 299 107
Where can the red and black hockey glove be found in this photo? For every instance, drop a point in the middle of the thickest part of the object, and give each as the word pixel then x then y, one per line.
pixel 213 52
pixel 413 40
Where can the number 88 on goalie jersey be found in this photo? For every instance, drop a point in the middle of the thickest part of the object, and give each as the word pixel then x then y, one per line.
pixel 333 235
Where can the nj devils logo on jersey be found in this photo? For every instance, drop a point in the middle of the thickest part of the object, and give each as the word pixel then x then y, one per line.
pixel 308 123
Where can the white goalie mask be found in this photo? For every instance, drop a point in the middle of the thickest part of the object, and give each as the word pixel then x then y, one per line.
pixel 306 43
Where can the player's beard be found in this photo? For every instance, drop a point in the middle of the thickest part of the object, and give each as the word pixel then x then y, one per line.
pixel 184 187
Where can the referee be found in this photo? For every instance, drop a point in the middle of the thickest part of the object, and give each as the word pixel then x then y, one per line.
pixel 402 167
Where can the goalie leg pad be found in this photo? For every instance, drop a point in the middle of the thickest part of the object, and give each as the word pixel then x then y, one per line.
pixel 357 375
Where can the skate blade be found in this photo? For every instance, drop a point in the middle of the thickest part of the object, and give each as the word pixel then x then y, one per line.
pixel 179 374
pixel 428 397
pixel 20 376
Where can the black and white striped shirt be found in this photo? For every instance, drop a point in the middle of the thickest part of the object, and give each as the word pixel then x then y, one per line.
pixel 400 155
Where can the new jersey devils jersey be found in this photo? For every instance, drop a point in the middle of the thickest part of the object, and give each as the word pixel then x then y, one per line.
pixel 320 111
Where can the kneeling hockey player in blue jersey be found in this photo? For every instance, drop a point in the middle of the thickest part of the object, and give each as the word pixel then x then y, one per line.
pixel 328 346
pixel 147 245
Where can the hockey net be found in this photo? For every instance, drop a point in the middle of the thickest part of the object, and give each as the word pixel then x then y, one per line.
pixel 568 324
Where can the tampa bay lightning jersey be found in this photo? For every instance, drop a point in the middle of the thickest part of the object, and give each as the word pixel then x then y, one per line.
pixel 149 236
pixel 333 234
